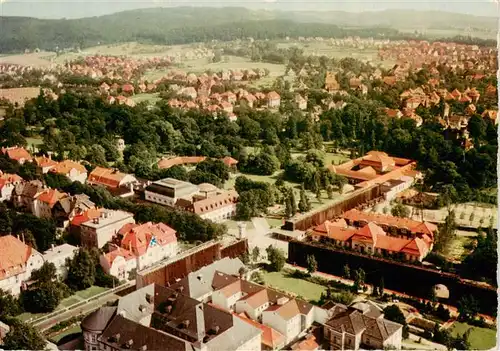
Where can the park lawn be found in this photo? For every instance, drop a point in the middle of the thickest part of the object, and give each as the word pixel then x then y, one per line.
pixel 90 292
pixel 150 98
pixel 458 246
pixel 63 304
pixel 480 338
pixel 303 288
pixel 73 330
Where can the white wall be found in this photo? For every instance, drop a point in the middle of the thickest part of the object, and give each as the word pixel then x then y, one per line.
pixel 155 254
pixel 75 176
pixel 220 214
pixel 13 283
pixel 159 199
pixel 254 344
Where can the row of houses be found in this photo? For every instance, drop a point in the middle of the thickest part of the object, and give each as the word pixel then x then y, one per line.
pixel 217 308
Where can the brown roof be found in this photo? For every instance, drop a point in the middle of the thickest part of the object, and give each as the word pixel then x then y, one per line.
pixel 106 176
pixel 45 161
pixel 213 203
pixel 347 320
pixel 140 335
pixel 65 167
pixel 51 196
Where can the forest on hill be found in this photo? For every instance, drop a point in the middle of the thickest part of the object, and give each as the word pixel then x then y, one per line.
pixel 170 26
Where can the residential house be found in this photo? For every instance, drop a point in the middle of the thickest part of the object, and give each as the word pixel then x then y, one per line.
pixel 58 256
pixel 17 261
pixel 7 184
pixel 71 169
pixel 307 344
pixel 212 203
pixel 45 163
pixel 113 179
pixel 301 102
pixel 128 89
pixel 249 99
pixel 189 92
pixel 69 207
pixel 331 84
pixel 25 193
pixel 104 88
pixel 491 114
pixel 180 161
pixel 273 100
pixel 393 113
pixel 45 201
pixel 160 318
pixel 361 326
pixel 17 153
pixel 227 107
pixel 140 246
pixel 230 162
pixel 229 96
pixel 104 224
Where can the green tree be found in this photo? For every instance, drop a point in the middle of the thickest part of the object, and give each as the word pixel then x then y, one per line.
pixel 312 265
pixel 347 271
pixel 329 191
pixel 445 234
pixel 97 155
pixel 394 314
pixel 46 273
pixel 5 220
pixel 468 308
pixel 255 253
pixel 304 204
pixel 276 258
pixel 359 279
pixel 44 297
pixel 400 210
pixel 23 336
pixel 9 306
pixel 81 271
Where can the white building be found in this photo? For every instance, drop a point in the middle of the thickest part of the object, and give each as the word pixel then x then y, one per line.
pixel 17 261
pixel 141 246
pixel 393 187
pixel 58 256
pixel 98 231
pixel 71 169
pixel 7 184
pixel 168 191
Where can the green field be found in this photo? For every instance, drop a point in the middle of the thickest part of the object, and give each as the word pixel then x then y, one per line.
pixel 90 292
pixel 458 249
pixel 150 98
pixel 279 280
pixel 480 338
pixel 73 330
pixel 233 62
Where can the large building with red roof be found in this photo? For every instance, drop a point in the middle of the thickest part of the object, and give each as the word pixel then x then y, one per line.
pixel 138 247
pixel 16 153
pixel 376 167
pixel 371 233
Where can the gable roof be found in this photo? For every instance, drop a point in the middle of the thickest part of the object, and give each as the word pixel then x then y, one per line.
pixel 65 167
pixel 14 255
pixel 107 177
pixel 270 337
pixel 17 153
pixel 213 203
pixel 51 197
pixel 138 238
pixel 45 162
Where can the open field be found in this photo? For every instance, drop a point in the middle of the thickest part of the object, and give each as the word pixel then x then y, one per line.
pixel 73 330
pixel 326 49
pixel 150 98
pixel 19 95
pixel 92 291
pixel 38 59
pixel 458 248
pixel 303 288
pixel 233 62
pixel 479 338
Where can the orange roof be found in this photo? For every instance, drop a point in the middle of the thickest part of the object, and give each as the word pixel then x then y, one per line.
pixel 51 196
pixel 118 252
pixel 45 161
pixel 256 299
pixel 425 228
pixel 231 289
pixel 86 216
pixel 309 344
pixel 180 160
pixel 288 310
pixel 416 246
pixel 13 256
pixel 17 153
pixel 273 95
pixel 10 178
pixel 140 237
pixel 270 337
pixel 66 166
pixel 229 161
pixel 215 202
pixel 106 176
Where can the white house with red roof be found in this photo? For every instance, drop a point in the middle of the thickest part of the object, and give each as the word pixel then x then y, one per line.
pixel 45 201
pixel 16 153
pixel 140 246
pixel 45 163
pixel 17 261
pixel 7 184
pixel 71 169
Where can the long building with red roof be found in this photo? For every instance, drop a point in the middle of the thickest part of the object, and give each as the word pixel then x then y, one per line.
pixel 372 233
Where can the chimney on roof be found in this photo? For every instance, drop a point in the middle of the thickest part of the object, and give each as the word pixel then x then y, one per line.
pixel 282 300
pixel 216 329
pixel 180 289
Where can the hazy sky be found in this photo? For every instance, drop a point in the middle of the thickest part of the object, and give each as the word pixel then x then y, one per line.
pixel 81 8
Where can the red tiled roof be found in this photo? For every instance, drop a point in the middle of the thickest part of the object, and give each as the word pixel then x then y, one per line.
pixel 229 161
pixel 139 237
pixel 273 95
pixel 86 216
pixel 213 203
pixel 355 215
pixel 118 252
pixel 106 176
pixel 17 153
pixel 45 161
pixel 14 255
pixel 51 196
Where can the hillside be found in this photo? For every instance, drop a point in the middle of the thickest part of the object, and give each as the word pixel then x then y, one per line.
pixel 186 25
